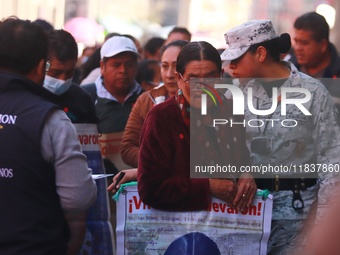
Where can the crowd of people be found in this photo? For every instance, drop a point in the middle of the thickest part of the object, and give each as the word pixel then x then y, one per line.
pixel 153 96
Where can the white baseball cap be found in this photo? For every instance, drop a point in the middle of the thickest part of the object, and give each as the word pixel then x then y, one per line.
pixel 116 45
pixel 240 38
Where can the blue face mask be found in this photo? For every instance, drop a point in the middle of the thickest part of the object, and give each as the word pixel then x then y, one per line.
pixel 57 86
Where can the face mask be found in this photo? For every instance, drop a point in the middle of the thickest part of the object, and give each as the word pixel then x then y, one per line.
pixel 84 59
pixel 56 86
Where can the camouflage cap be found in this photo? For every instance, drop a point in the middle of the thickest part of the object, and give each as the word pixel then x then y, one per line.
pixel 240 38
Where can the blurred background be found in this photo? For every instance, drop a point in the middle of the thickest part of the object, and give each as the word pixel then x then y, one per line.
pixel 90 20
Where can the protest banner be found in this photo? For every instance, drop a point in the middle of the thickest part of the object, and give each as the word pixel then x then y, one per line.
pixel 110 149
pixel 221 229
pixel 99 234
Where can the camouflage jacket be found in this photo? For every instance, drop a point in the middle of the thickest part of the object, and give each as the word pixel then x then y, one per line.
pixel 299 142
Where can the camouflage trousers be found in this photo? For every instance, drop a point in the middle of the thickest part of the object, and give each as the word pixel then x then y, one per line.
pixel 286 237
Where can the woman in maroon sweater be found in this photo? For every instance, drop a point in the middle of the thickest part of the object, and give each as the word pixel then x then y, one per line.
pixel 164 161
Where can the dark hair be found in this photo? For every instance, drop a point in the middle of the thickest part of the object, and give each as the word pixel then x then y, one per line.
pixel 181 30
pixel 178 43
pixel 92 63
pixel 44 24
pixel 62 46
pixel 275 47
pixel 109 35
pixel 314 23
pixel 23 44
pixel 153 44
pixel 197 51
pixel 146 72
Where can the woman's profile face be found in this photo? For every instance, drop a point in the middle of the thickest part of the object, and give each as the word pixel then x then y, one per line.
pixel 168 69
pixel 196 69
pixel 244 67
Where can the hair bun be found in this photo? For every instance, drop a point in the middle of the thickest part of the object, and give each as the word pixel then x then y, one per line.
pixel 284 43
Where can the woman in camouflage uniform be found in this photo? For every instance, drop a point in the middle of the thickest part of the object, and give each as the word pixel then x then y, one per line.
pixel 297 146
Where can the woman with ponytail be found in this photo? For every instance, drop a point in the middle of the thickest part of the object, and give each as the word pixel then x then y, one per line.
pixel 297 132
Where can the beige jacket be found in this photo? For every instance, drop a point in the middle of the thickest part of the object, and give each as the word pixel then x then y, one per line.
pixel 130 142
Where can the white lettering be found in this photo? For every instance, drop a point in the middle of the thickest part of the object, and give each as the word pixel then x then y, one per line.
pixel 232 122
pixel 261 112
pixel 291 120
pixel 6 173
pixel 219 122
pixel 238 100
pixel 7 119
pixel 297 101
pixel 256 122
pixel 259 123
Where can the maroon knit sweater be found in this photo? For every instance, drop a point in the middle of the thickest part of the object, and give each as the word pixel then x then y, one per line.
pixel 164 161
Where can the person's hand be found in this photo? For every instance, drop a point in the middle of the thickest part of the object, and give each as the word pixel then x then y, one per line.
pixel 246 190
pixel 130 175
pixel 223 189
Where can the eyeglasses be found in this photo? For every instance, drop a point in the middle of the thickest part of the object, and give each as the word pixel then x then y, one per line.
pixel 196 86
pixel 203 86
pixel 181 76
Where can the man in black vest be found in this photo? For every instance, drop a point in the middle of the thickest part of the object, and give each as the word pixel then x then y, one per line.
pixel 43 173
